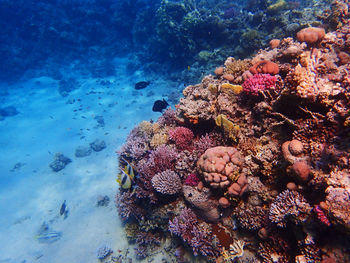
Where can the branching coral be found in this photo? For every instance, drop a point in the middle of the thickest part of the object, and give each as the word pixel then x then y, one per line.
pixel 259 83
pixel 196 235
pixel 167 182
pixel 182 137
pixel 250 217
pixel 127 206
pixel 289 206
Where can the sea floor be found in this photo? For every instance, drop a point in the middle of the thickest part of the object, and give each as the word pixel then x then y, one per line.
pixel 31 193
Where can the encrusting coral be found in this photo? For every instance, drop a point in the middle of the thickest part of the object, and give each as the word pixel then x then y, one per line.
pixel 253 160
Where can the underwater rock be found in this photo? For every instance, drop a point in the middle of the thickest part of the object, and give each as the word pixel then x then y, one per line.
pixel 82 151
pixel 98 145
pixel 200 200
pixel 67 86
pixel 338 198
pixel 60 161
pixel 100 121
pixel 102 200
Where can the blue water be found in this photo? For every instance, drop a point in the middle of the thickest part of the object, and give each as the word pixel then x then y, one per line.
pixel 66 65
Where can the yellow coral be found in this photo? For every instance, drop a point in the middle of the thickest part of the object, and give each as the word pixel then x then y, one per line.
pixel 235 251
pixel 213 88
pixel 278 6
pixel 237 89
pixel 146 128
pixel 159 139
pixel 228 126
pixel 236 67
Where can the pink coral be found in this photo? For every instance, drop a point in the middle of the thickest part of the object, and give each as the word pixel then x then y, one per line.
pixel 192 180
pixel 182 137
pixel 259 82
pixel 198 236
pixel 321 215
pixel 221 167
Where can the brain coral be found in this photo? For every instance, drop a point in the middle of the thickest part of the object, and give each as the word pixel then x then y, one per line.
pixel 221 167
pixel 265 67
pixel 311 35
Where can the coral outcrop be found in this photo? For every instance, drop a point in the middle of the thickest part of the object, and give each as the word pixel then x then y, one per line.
pixel 255 163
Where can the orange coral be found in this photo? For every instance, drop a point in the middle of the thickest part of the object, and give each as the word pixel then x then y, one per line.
pixel 265 67
pixel 274 43
pixel 311 35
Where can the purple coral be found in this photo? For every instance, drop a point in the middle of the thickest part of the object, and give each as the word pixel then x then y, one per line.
pixel 289 206
pixel 197 235
pixel 127 206
pixel 168 118
pixel 204 143
pixel 136 146
pixel 259 82
pixel 167 182
pixel 145 241
pixel 192 179
pixel 162 158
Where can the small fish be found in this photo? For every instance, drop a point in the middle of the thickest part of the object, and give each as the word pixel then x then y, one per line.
pixel 188 68
pixel 63 208
pixel 48 237
pixel 126 176
pixel 160 105
pixel 142 84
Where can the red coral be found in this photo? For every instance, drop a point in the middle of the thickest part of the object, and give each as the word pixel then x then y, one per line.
pixel 259 82
pixel 192 180
pixel 182 137
pixel 321 215
pixel 265 66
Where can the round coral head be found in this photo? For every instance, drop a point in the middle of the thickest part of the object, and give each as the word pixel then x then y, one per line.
pixel 302 170
pixel 274 43
pixel 219 71
pixel 296 147
pixel 311 35
pixel 223 202
pixel 265 67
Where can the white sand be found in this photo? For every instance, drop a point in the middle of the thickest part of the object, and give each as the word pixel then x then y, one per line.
pixel 34 193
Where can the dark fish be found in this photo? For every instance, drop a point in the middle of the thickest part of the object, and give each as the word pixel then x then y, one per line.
pixel 160 105
pixel 63 208
pixel 142 84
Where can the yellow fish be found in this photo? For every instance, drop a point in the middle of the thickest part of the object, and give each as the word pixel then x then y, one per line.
pixel 126 176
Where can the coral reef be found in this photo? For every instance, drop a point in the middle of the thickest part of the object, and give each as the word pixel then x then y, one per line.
pixel 254 165
pixel 289 206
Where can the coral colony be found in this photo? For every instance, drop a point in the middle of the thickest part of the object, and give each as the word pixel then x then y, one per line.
pixel 253 164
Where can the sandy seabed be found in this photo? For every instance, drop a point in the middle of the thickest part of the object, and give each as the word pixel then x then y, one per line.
pixel 32 193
